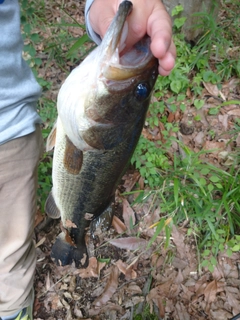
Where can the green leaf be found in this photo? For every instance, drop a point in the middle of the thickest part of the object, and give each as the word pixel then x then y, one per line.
pixel 214 179
pixel 35 37
pixel 213 111
pixel 198 103
pixel 181 97
pixel 236 248
pixel 177 10
pixel 206 252
pixel 229 252
pixel 176 190
pixel 179 22
pixel 211 268
pixel 205 263
pixel 213 261
pixel 176 86
pixel 107 260
pixel 159 228
pixel 77 45
pixel 205 171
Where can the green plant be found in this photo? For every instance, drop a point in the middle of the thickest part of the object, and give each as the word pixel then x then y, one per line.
pixel 145 314
pixel 193 190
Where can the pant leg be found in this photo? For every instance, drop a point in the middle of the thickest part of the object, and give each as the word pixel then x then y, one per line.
pixel 18 182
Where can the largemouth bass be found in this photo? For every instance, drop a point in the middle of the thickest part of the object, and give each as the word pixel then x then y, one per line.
pixel 101 112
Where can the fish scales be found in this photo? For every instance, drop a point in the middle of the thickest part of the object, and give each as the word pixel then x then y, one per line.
pixel 101 112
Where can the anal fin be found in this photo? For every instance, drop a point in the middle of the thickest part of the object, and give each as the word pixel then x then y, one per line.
pixel 103 221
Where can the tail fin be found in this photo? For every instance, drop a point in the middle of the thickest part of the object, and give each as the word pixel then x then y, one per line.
pixel 64 253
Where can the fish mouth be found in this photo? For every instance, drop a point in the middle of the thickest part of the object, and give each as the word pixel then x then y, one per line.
pixel 134 61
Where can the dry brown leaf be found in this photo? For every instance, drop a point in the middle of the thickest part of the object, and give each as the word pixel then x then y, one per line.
pixel 211 88
pixel 133 301
pixel 105 308
pixel 128 215
pixel 220 314
pixel 127 270
pixel 130 243
pixel 210 291
pixel 238 140
pixel 179 278
pixel 133 289
pixel 234 112
pixel 55 302
pixel 38 218
pixel 181 312
pixel 40 242
pixel 233 301
pixel 178 239
pixel 214 146
pixel 223 119
pixel 48 282
pixel 118 225
pixel 130 180
pixel 92 270
pixel 110 288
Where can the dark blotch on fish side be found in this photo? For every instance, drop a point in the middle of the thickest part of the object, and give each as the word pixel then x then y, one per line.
pixel 73 158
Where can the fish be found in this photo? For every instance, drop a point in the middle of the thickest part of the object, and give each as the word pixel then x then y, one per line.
pixel 102 107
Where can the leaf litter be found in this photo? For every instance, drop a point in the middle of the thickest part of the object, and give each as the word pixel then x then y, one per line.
pixel 123 274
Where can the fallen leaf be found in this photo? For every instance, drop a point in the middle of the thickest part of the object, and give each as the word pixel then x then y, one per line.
pixel 127 270
pixel 92 270
pixel 110 288
pixel 128 215
pixel 38 218
pixel 40 242
pixel 178 239
pixel 211 88
pixel 233 301
pixel 234 112
pixel 210 291
pixel 130 180
pixel 181 312
pixel 130 243
pixel 118 225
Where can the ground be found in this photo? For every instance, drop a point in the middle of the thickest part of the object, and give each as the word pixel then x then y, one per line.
pixel 126 276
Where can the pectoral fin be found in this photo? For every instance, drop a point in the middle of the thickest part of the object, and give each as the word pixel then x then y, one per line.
pixel 51 208
pixel 51 140
pixel 73 157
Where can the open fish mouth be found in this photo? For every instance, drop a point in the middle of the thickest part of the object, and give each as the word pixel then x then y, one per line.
pixel 134 61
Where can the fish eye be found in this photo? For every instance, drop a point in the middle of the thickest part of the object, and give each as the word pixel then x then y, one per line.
pixel 142 91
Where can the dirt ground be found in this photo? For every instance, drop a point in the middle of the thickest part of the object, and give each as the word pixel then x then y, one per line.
pixel 125 277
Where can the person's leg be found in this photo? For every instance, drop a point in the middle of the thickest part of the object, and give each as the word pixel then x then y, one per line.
pixel 18 182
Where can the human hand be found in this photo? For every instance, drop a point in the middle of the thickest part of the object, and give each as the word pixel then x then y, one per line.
pixel 148 16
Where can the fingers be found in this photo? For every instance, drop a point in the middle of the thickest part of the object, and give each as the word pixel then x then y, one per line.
pixel 148 17
pixel 137 24
pixel 166 55
pixel 101 15
pixel 159 28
